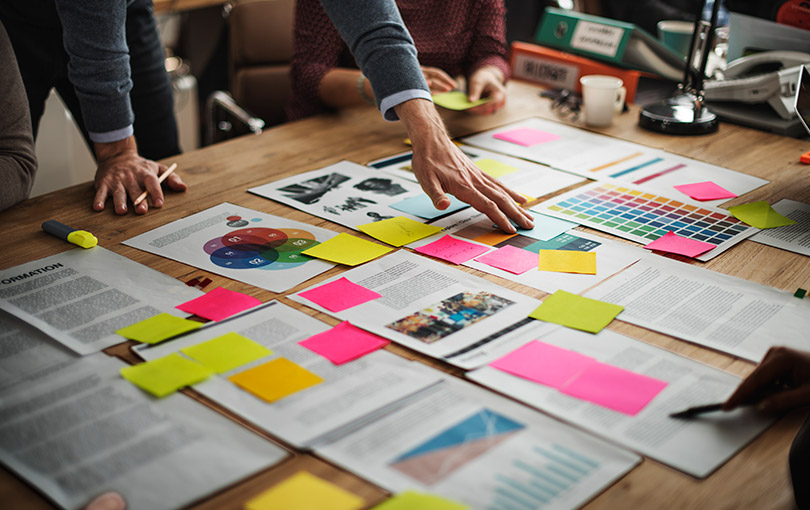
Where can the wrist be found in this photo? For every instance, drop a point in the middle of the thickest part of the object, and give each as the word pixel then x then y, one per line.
pixel 108 150
pixel 362 84
pixel 422 121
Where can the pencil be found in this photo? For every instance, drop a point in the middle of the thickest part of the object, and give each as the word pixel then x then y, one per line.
pixel 162 178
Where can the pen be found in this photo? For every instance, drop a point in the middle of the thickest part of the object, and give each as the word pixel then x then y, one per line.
pixel 694 411
pixel 162 178
pixel 81 238
pixel 774 387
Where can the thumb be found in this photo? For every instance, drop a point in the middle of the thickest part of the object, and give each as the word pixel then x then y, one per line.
pixel 434 190
pixel 785 400
pixel 475 90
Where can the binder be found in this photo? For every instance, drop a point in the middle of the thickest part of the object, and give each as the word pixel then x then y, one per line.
pixel 561 70
pixel 608 40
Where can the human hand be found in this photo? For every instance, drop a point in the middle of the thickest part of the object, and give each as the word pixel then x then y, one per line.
pixel 438 80
pixel 107 501
pixel 122 172
pixel 781 367
pixel 487 81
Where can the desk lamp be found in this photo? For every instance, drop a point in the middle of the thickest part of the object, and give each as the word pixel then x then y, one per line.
pixel 685 113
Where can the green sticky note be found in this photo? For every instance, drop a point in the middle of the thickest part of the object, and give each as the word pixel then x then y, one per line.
pixel 304 491
pixel 494 168
pixel 457 100
pixel 760 215
pixel 576 312
pixel 800 293
pixel 347 249
pixel 158 328
pixel 398 231
pixel 411 500
pixel 165 375
pixel 224 353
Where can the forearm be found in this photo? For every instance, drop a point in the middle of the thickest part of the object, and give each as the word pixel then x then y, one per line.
pixel 340 88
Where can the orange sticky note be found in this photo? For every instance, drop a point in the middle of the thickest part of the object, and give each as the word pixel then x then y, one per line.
pixel 275 379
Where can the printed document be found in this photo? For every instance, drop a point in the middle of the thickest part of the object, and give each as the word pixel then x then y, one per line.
pixel 795 238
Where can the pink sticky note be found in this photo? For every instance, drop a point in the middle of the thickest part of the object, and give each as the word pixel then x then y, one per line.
pixel 344 343
pixel 509 258
pixel 673 243
pixel 339 295
pixel 543 363
pixel 452 250
pixel 705 191
pixel 526 136
pixel 219 304
pixel 614 388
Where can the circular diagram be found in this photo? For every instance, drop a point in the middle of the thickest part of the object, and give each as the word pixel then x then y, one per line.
pixel 259 247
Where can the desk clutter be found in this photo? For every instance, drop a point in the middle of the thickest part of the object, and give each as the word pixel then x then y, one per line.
pixel 586 402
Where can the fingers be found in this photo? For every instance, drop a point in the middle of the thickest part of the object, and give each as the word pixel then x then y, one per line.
pixel 120 199
pixel 773 367
pixel 153 188
pixel 433 188
pixel 175 183
pixel 785 400
pixel 101 197
pixel 438 80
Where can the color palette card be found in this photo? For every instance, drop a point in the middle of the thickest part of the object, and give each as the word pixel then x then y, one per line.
pixel 218 304
pixel 275 379
pixel 347 249
pixel 339 295
pixel 224 353
pixel 573 311
pixel 305 491
pixel 344 343
pixel 158 328
pixel 452 250
pixel 164 376
pixel 643 217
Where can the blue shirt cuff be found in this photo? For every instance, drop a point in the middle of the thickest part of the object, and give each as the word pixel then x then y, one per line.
pixel 388 103
pixel 112 136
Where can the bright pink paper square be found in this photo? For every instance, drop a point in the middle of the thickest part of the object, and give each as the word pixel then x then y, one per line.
pixel 509 258
pixel 219 304
pixel 339 295
pixel 526 136
pixel 705 191
pixel 614 388
pixel 673 243
pixel 344 343
pixel 452 250
pixel 543 363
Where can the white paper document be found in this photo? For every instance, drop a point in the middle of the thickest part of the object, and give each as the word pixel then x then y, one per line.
pixel 82 297
pixel 242 244
pixel 349 393
pixel 708 308
pixel 697 446
pixel 795 238
pixel 474 447
pixel 88 431
pixel 435 309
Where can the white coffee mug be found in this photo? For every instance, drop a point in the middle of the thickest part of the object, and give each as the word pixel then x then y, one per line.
pixel 602 98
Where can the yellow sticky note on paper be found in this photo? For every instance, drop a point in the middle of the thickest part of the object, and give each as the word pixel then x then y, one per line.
pixel 494 168
pixel 347 249
pixel 412 500
pixel 760 215
pixel 305 491
pixel 224 353
pixel 457 100
pixel 275 379
pixel 398 231
pixel 166 375
pixel 568 261
pixel 158 328
pixel 576 312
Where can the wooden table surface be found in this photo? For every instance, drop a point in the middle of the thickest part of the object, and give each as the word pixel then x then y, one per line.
pixel 755 478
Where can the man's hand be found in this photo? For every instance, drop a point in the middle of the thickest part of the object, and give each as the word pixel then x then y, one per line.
pixel 438 80
pixel 780 382
pixel 487 81
pixel 123 173
pixel 442 168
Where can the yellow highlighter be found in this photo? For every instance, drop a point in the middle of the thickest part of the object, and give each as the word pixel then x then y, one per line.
pixel 81 238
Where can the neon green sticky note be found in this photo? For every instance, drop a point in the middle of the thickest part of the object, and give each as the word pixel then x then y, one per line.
pixel 576 312
pixel 398 231
pixel 347 249
pixel 305 491
pixel 224 353
pixel 166 375
pixel 158 328
pixel 760 215
pixel 568 261
pixel 411 500
pixel 495 168
pixel 275 379
pixel 457 100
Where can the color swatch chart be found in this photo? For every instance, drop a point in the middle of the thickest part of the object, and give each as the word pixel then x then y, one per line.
pixel 643 217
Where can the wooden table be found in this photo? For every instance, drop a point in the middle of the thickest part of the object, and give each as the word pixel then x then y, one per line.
pixel 757 477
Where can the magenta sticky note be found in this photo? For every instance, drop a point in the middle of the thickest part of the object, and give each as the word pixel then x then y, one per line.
pixel 219 304
pixel 705 191
pixel 526 136
pixel 452 250
pixel 509 258
pixel 614 388
pixel 339 295
pixel 673 243
pixel 544 363
pixel 343 343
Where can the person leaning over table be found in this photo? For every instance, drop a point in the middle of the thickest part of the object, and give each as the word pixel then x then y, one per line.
pixel 105 59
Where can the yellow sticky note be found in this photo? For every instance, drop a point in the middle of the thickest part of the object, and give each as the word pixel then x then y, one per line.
pixel 275 379
pixel 305 491
pixel 347 249
pixel 165 375
pixel 568 261
pixel 226 352
pixel 495 168
pixel 398 231
pixel 576 312
pixel 158 328
pixel 457 100
pixel 760 215
pixel 411 500
pixel 494 238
